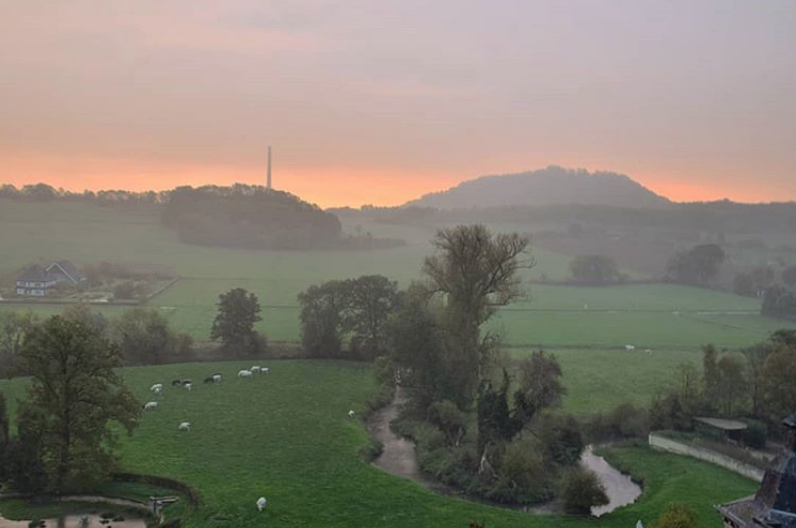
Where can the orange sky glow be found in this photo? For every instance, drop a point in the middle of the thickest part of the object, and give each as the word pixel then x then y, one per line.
pixel 380 102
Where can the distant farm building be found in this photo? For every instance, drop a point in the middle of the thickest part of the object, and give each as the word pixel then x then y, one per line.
pixel 774 505
pixel 39 281
pixel 731 430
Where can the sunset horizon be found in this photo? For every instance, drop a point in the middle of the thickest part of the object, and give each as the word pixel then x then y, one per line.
pixel 381 103
pixel 331 189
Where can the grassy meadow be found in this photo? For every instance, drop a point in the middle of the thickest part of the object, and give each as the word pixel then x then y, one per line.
pixel 666 317
pixel 287 436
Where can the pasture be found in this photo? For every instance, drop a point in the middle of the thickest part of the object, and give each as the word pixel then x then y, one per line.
pixel 549 316
pixel 287 436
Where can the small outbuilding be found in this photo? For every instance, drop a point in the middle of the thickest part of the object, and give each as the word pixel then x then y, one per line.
pixel 731 430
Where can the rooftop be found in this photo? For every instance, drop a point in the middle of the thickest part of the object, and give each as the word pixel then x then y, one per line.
pixel 721 423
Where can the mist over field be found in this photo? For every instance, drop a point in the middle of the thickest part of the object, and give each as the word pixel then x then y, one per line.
pixel 357 264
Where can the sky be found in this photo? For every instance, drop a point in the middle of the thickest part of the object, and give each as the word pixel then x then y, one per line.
pixel 380 101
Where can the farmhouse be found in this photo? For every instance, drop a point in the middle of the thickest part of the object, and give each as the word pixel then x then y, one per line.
pixel 774 505
pixel 66 272
pixel 35 282
pixel 39 281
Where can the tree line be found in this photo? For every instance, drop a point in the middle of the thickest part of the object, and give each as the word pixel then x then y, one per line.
pixel 248 216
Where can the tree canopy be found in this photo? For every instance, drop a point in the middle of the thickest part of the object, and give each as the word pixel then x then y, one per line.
pixel 594 270
pixel 77 393
pixel 475 272
pixel 238 311
pixel 697 266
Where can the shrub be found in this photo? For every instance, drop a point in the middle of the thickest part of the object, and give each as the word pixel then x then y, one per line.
pixel 383 370
pixel 449 419
pixel 562 437
pixel 523 475
pixel 630 421
pixel 581 490
pixel 755 435
pixel 676 516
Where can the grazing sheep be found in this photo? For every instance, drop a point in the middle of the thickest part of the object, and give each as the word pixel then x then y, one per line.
pixel 244 373
pixel 648 351
pixel 216 378
pixel 156 388
pixel 261 503
pixel 351 414
pixel 265 370
pixel 630 348
pixel 188 386
pixel 255 369
pixel 184 426
pixel 151 406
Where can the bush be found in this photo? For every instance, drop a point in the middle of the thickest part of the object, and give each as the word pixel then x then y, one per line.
pixel 581 490
pixel 755 435
pixel 676 516
pixel 383 370
pixel 625 421
pixel 667 412
pixel 523 475
pixel 449 419
pixel 562 436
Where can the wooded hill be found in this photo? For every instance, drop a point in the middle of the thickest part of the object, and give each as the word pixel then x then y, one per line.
pixel 550 186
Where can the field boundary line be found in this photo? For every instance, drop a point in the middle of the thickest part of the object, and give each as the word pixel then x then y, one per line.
pixel 162 289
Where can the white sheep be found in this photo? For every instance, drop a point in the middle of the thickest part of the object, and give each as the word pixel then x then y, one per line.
pixel 244 373
pixel 351 414
pixel 188 386
pixel 630 348
pixel 157 388
pixel 261 503
pixel 216 378
pixel 256 369
pixel 151 406
pixel 265 370
pixel 648 351
pixel 184 426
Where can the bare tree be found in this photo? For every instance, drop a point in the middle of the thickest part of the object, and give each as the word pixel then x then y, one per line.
pixel 476 272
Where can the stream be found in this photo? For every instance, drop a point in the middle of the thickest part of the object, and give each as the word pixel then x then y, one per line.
pixel 400 459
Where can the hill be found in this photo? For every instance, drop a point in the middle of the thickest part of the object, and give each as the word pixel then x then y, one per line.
pixel 550 186
pixel 249 217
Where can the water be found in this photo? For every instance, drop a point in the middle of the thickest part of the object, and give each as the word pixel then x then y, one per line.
pixel 399 458
pixel 79 520
pixel 620 488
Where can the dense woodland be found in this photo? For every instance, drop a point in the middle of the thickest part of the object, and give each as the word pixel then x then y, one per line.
pixel 250 217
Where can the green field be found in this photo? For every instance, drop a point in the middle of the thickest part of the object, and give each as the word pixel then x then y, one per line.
pixel 549 316
pixel 591 377
pixel 287 436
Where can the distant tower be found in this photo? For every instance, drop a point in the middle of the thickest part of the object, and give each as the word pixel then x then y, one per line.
pixel 269 166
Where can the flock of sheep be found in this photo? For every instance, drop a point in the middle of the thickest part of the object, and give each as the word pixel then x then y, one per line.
pixel 186 384
pixel 631 348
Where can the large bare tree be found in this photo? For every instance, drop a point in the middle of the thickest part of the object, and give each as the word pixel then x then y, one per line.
pixel 476 272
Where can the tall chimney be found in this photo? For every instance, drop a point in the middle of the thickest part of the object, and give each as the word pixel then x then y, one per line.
pixel 269 166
